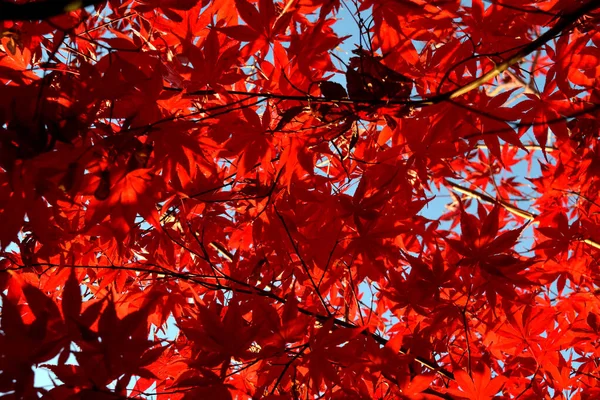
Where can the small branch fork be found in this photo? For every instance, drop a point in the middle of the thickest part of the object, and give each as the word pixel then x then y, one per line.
pixel 302 262
pixel 527 215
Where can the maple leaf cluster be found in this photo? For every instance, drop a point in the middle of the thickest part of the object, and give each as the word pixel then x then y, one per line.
pixel 230 199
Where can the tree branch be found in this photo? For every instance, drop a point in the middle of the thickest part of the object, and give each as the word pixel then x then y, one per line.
pixel 507 206
pixel 246 289
pixel 565 22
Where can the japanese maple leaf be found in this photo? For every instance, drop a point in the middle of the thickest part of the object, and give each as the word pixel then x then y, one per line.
pixel 219 338
pixel 559 237
pixel 298 162
pixel 414 387
pixel 545 111
pixel 215 64
pixel 479 386
pixel 480 244
pixel 287 327
pixel 129 196
pixel 262 25
pixel 498 124
pixel 28 335
pixel 250 143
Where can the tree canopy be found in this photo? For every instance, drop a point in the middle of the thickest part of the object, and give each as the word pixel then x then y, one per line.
pixel 232 199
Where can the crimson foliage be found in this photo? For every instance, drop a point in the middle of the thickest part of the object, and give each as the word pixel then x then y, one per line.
pixel 198 165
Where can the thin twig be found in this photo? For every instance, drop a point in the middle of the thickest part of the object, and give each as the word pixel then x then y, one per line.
pixel 507 206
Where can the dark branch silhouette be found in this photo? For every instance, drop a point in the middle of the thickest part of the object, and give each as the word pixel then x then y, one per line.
pixel 40 10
